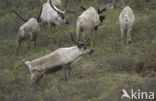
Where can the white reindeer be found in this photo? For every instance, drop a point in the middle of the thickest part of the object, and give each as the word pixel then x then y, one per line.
pixel 51 15
pixel 89 21
pixel 61 58
pixel 126 20
pixel 28 31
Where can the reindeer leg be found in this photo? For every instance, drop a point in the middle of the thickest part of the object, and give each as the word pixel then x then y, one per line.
pixel 65 73
pixel 70 69
pixel 122 33
pixel 39 82
pixel 35 41
pixel 78 32
pixel 35 78
pixel 93 38
pixel 44 25
pixel 84 37
pixel 129 40
pixel 41 85
pixel 26 47
pixel 18 45
pixel 49 26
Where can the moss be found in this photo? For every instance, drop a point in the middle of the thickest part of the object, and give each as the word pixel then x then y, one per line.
pixel 146 66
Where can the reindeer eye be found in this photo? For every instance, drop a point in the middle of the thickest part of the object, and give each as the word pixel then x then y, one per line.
pixel 62 16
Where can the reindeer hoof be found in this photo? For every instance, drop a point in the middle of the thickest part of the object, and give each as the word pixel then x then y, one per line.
pixel 129 41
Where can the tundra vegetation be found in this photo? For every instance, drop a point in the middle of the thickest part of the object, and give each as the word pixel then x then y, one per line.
pixel 99 77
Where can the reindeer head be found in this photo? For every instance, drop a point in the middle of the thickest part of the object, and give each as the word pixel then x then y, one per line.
pixel 62 14
pixel 83 46
pixel 99 12
pixel 101 17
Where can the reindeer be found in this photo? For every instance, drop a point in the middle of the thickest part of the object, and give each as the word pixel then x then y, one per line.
pixel 126 20
pixel 89 21
pixel 51 15
pixel 28 31
pixel 60 59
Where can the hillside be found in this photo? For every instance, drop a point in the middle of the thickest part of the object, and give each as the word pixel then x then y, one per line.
pixel 99 77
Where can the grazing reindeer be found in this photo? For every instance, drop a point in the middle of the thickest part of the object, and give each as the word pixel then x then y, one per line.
pixel 28 31
pixel 61 58
pixel 51 15
pixel 126 20
pixel 89 21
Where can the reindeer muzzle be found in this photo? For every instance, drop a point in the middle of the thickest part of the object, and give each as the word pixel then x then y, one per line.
pixel 91 52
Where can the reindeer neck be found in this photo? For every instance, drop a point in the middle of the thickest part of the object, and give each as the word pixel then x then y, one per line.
pixel 71 53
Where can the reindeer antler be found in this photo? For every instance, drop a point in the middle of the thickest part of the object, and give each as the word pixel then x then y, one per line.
pixel 38 18
pixel 25 20
pixel 85 43
pixel 82 8
pixel 68 11
pixel 53 7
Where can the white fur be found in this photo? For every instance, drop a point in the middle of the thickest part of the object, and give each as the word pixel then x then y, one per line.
pixel 87 21
pixel 62 57
pixel 126 20
pixel 50 16
pixel 69 54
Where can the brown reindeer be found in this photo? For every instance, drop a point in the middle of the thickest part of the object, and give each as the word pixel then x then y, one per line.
pixel 28 31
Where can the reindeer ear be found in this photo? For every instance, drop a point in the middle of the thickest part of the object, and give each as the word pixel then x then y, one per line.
pixel 79 46
pixel 99 11
pixel 82 8
pixel 96 28
pixel 102 18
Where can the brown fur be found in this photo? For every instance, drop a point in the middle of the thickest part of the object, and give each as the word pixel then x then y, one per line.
pixel 28 32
